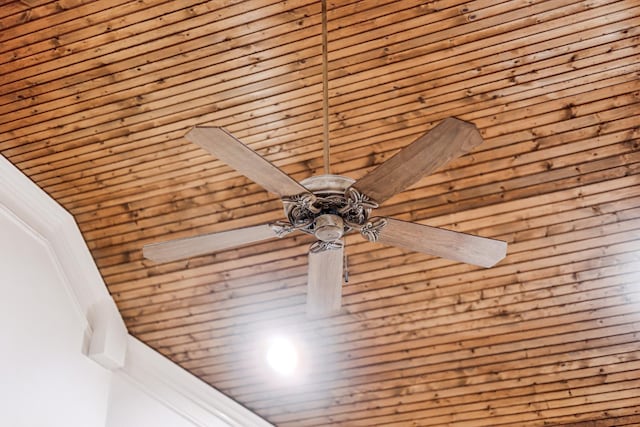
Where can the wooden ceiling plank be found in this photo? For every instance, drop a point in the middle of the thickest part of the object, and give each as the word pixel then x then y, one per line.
pixel 236 288
pixel 194 304
pixel 540 347
pixel 432 178
pixel 442 29
pixel 508 402
pixel 550 25
pixel 361 301
pixel 29 47
pixel 382 312
pixel 359 246
pixel 539 46
pixel 130 75
pixel 534 109
pixel 216 356
pixel 229 225
pixel 45 20
pixel 175 60
pixel 105 26
pixel 137 44
pixel 519 81
pixel 574 409
pixel 542 154
pixel 452 395
pixel 365 383
pixel 237 285
pixel 551 84
pixel 9 11
pixel 579 269
pixel 597 420
pixel 436 370
pixel 455 394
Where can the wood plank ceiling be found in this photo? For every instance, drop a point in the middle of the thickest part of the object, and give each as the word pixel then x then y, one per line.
pixel 96 97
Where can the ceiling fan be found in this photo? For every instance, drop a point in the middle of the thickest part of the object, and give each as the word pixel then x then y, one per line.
pixel 330 206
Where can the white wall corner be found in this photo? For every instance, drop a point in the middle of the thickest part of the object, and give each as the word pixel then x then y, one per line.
pixel 57 227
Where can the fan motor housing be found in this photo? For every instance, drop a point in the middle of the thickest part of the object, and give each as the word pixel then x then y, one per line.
pixel 329 227
pixel 333 209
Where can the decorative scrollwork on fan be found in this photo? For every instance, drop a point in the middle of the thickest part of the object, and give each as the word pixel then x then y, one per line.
pixel 357 208
pixel 282 228
pixel 352 206
pixel 300 210
pixel 321 246
pixel 371 230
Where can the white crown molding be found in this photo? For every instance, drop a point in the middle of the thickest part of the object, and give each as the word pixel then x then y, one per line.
pixel 184 393
pixel 110 344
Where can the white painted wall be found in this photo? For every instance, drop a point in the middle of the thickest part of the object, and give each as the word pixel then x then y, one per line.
pixel 66 358
pixel 46 380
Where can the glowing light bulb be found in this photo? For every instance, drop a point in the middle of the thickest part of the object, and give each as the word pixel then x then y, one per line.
pixel 282 356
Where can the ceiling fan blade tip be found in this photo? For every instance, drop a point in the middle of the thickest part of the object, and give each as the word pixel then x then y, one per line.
pixel 449 244
pixel 450 139
pixel 245 160
pixel 499 253
pixel 147 252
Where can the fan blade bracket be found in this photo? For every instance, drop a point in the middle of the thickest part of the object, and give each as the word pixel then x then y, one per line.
pixel 322 246
pixel 282 228
pixel 357 208
pixel 371 229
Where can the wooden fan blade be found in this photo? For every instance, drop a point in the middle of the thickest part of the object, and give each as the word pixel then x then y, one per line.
pixel 448 140
pixel 246 161
pixel 188 247
pixel 448 244
pixel 324 291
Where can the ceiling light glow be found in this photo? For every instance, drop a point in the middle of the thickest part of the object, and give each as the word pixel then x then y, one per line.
pixel 282 356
